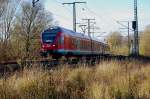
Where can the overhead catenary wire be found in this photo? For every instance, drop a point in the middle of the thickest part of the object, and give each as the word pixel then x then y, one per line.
pixel 58 16
pixel 104 25
pixel 99 17
pixel 88 10
pixel 68 10
pixel 60 3
pixel 102 18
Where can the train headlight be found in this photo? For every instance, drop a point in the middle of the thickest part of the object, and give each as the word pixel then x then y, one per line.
pixel 53 45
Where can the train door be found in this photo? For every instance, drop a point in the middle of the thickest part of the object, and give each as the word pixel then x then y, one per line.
pixel 61 41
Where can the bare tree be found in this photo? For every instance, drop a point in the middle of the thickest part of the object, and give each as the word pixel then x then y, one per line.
pixel 7 13
pixel 33 21
pixel 115 39
pixel 20 28
pixel 3 6
pixel 144 41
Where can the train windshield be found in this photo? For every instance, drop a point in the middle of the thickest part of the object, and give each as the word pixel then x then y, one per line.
pixel 48 37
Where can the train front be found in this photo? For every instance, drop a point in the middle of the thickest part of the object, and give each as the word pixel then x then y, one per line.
pixel 49 41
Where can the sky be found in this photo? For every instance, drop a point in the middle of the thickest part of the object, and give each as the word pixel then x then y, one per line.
pixel 106 13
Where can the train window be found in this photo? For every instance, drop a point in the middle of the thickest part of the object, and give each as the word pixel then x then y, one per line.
pixel 73 43
pixel 82 44
pixel 86 45
pixel 76 43
pixel 89 46
pixel 62 40
pixel 71 39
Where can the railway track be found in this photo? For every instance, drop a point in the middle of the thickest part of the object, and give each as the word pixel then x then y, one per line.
pixel 11 66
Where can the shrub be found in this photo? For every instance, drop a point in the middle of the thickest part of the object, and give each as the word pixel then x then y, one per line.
pixel 108 80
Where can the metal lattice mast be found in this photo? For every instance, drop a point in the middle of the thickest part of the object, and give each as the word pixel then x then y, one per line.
pixel 89 25
pixel 136 34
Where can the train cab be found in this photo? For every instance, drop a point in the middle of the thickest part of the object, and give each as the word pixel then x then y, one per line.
pixel 50 40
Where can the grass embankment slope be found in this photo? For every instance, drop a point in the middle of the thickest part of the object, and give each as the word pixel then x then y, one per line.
pixel 108 80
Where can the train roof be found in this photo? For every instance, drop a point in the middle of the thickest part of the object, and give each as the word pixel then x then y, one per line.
pixel 72 33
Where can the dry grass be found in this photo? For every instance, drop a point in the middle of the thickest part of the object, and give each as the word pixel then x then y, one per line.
pixel 108 80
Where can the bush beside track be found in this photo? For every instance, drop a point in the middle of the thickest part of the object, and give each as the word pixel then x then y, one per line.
pixel 107 80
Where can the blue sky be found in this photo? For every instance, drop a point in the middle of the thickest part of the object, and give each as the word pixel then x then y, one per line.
pixel 106 12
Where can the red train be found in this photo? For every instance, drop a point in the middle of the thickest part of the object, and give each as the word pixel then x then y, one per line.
pixel 58 42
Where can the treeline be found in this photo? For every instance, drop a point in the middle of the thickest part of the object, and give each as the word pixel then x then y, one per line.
pixel 118 44
pixel 121 46
pixel 144 42
pixel 20 28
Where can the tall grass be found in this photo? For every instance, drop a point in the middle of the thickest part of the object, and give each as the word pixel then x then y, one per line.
pixel 108 80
